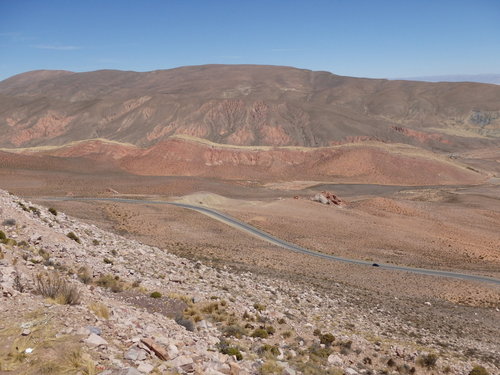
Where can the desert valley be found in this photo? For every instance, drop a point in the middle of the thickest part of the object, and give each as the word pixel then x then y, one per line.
pixel 157 207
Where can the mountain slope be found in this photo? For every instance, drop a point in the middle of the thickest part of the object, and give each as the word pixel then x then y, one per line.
pixel 244 105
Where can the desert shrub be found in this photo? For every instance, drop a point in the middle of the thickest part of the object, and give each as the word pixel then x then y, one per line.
pixel 23 206
pixel 281 321
pixel 428 360
pixel 74 237
pixel 155 295
pixel 270 367
pixel 210 308
pixel 260 332
pixel 327 339
pixel 100 309
pixel 9 242
pixel 35 210
pixel 267 349
pixel 186 323
pixel 235 330
pixel 478 370
pixel 136 284
pixel 316 332
pixel 84 275
pixel 225 348
pixel 107 261
pixel 3 237
pixel 259 307
pixel 110 282
pixel 9 222
pixel 53 211
pixel 391 362
pixel 95 242
pixel 55 287
pixel 319 352
pixel 287 334
pixel 271 330
pixel 248 316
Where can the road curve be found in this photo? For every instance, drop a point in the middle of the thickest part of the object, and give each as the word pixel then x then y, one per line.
pixel 242 226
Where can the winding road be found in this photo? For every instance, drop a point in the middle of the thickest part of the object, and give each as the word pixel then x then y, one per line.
pixel 244 227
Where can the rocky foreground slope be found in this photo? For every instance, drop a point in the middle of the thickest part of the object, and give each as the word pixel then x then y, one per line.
pixel 76 299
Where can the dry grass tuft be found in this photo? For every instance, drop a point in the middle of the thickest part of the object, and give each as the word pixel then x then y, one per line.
pixel 57 288
pixel 100 309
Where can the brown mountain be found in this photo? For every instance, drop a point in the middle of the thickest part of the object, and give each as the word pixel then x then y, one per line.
pixel 247 121
pixel 244 105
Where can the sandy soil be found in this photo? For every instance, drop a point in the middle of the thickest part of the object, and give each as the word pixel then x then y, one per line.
pixel 452 228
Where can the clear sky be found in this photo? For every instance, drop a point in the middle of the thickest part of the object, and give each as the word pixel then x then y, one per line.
pixel 364 38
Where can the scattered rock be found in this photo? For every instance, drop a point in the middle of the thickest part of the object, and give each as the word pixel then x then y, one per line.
pixel 159 350
pixel 94 341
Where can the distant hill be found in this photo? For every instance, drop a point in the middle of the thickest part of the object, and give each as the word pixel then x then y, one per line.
pixel 480 78
pixel 244 105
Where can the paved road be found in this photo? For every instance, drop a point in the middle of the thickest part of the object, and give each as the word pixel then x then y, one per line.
pixel 287 245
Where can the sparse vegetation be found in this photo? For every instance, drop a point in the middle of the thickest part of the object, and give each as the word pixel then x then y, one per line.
pixel 74 237
pixel 84 275
pixel 428 360
pixel 259 307
pixel 57 288
pixel 261 333
pixel 479 370
pixel 53 211
pixel 326 339
pixel 100 309
pixel 235 330
pixel 110 282
pixel 107 261
pixel 226 348
pixel 35 210
pixel 270 367
pixel 155 295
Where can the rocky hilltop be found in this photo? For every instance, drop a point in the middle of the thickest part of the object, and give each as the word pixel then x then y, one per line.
pixel 76 299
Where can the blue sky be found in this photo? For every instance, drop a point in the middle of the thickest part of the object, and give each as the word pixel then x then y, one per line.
pixel 371 38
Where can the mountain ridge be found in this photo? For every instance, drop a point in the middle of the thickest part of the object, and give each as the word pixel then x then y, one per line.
pixel 242 105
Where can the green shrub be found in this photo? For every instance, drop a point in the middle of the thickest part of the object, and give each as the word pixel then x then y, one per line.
pixel 260 332
pixel 226 348
pixel 2 236
pixel 155 295
pixel 53 211
pixel 267 349
pixel 478 370
pixel 74 237
pixel 235 330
